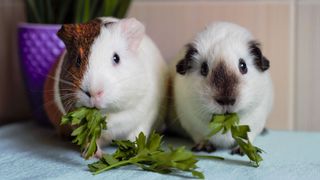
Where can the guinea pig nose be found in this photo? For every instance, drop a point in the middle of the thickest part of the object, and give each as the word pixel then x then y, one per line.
pixel 225 100
pixel 97 94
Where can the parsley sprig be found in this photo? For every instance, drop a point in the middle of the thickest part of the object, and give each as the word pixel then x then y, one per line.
pixel 148 155
pixel 90 123
pixel 230 122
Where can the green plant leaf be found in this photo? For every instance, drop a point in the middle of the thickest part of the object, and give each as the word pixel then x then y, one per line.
pixel 86 11
pixel 41 8
pixel 141 142
pixel 78 10
pixel 215 128
pixel 80 113
pixel 109 7
pixel 144 152
pixel 35 17
pixel 90 123
pixel 110 159
pixel 73 11
pixel 240 131
pixel 230 122
pixel 64 120
pixel 122 8
pixel 65 6
pixel 148 155
pixel 209 157
pixel 49 10
pixel 79 130
pixel 92 148
pixel 154 142
pixel 198 174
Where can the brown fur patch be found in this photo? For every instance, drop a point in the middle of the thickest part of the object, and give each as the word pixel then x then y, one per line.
pixel 51 108
pixel 78 39
pixel 185 64
pixel 261 62
pixel 224 81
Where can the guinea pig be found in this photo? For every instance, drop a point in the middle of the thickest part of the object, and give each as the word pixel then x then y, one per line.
pixel 112 65
pixel 222 71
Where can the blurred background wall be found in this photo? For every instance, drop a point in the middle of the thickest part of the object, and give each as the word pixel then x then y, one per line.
pixel 287 29
pixel 13 101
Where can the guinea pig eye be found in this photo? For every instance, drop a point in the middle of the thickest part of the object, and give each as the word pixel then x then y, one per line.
pixel 204 69
pixel 78 62
pixel 116 58
pixel 243 66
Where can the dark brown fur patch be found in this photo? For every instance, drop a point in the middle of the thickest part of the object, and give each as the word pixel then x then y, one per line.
pixel 224 81
pixel 261 62
pixel 78 39
pixel 186 63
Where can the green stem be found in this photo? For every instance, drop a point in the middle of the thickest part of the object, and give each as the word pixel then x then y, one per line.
pixel 78 11
pixel 121 163
pixel 49 7
pixel 209 157
pixel 109 7
pixel 63 11
pixel 35 13
pixel 41 8
pixel 93 8
pixel 122 8
pixel 86 11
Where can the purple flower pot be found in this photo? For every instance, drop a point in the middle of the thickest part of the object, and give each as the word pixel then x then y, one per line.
pixel 39 48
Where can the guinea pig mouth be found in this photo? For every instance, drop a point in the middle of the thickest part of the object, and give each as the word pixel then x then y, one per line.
pixel 227 109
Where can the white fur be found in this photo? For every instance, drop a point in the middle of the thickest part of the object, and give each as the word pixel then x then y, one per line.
pixel 134 90
pixel 193 95
pixel 57 96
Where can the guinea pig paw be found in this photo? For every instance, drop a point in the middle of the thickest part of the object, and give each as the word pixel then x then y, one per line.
pixel 99 153
pixel 237 151
pixel 265 131
pixel 204 146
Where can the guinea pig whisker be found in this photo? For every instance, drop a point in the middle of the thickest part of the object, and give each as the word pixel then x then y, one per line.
pixel 203 107
pixel 59 89
pixel 62 81
pixel 53 101
pixel 69 102
pixel 72 75
pixel 68 95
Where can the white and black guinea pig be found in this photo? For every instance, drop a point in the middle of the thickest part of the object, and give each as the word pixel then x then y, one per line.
pixel 223 71
pixel 114 66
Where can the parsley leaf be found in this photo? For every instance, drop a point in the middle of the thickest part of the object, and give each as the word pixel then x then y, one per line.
pixel 144 152
pixel 90 123
pixel 148 155
pixel 230 122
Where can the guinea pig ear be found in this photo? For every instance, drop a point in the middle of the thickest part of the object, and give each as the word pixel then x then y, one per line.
pixel 108 20
pixel 261 62
pixel 186 63
pixel 133 31
pixel 67 33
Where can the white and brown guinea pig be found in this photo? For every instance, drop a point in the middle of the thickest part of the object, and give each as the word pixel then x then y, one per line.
pixel 114 66
pixel 223 71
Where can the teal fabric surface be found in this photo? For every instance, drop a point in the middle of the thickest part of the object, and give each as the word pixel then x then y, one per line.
pixel 31 152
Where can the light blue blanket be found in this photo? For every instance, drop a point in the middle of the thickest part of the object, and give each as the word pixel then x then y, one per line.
pixel 31 152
